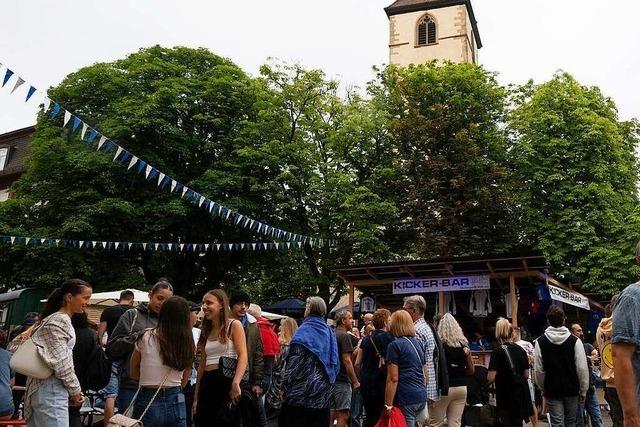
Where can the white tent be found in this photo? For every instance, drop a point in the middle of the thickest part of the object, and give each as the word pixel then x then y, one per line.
pixel 112 297
pixel 272 316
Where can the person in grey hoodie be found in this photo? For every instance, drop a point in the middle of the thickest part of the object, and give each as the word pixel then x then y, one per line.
pixel 560 369
pixel 121 342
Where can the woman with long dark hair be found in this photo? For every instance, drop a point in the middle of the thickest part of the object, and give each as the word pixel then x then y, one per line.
pixel 162 361
pixel 220 337
pixel 47 400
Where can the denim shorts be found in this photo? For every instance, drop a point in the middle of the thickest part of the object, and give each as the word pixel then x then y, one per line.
pixel 341 392
pixel 111 389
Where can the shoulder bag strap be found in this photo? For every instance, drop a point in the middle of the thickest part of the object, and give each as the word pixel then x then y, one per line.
pixel 374 345
pixel 415 349
pixel 155 394
pixel 506 351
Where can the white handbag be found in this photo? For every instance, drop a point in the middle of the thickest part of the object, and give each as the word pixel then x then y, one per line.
pixel 126 419
pixel 27 361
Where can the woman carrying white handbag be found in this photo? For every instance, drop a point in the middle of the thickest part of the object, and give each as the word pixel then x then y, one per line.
pixel 47 358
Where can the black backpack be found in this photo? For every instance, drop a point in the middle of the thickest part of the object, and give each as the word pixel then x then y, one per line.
pixel 98 370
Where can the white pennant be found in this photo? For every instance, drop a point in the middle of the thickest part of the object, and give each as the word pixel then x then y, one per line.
pixel 229 246
pixel 182 246
pixel 13 239
pixel 288 245
pixel 47 103
pixel 147 171
pixel 201 201
pixel 84 130
pixel 118 152
pixel 81 243
pixel 264 246
pixel 103 139
pixel 206 246
pixel 239 219
pixel 67 117
pixel 254 246
pixel 133 161
pixel 19 83
pixel 218 246
pixel 57 242
pixel 27 240
pixel 299 244
pixel 170 246
pixel 173 185
pixel 184 190
pixel 94 244
pixel 104 245
pixel 42 241
pixel 252 222
pixel 144 246
pixel 157 246
pixel 228 214
pixel 160 178
pixel 241 245
pixel 210 207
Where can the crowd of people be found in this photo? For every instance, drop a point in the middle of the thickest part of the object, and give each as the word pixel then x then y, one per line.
pixel 170 362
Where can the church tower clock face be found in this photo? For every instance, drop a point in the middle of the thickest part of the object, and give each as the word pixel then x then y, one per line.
pixel 421 31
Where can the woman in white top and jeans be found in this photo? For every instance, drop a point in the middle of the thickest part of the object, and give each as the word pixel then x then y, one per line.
pixel 47 401
pixel 162 361
pixel 221 336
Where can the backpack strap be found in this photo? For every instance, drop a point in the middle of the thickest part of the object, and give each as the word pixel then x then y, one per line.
pixel 509 360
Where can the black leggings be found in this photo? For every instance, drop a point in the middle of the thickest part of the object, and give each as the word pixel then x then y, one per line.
pixel 213 392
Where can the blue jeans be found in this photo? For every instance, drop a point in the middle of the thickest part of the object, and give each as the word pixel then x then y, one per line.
pixel 50 405
pixel 563 411
pixel 167 410
pixel 125 396
pixel 111 389
pixel 410 412
pixel 357 405
pixel 593 409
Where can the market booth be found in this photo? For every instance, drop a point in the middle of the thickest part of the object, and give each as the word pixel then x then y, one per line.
pixel 476 290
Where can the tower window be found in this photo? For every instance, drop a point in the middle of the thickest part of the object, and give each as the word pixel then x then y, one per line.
pixel 427 31
pixel 4 155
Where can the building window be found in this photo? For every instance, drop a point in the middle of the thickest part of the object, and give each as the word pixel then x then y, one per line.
pixel 4 156
pixel 427 31
pixel 4 195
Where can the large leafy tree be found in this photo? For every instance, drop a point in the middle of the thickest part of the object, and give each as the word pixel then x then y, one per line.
pixel 578 177
pixel 283 148
pixel 454 188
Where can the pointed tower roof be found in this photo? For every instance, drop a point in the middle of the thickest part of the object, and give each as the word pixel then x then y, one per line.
pixel 407 6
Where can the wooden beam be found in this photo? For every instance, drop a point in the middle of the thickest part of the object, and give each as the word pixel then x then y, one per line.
pixel 513 301
pixel 351 296
pixel 372 274
pixel 489 267
pixel 441 307
pixel 525 265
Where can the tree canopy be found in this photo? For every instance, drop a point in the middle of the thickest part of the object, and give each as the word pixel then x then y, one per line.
pixel 431 160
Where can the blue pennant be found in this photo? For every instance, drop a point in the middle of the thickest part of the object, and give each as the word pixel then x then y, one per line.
pixel 141 166
pixel 7 76
pixel 32 90
pixel 56 110
pixel 92 136
pixel 76 123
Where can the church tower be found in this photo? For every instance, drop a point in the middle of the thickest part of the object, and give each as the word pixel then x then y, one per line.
pixel 424 30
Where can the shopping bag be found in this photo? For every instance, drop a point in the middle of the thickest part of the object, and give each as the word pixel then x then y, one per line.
pixel 393 418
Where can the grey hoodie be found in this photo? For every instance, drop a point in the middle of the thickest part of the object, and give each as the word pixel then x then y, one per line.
pixel 558 336
pixel 121 342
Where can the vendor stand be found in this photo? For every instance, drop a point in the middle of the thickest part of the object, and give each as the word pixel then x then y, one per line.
pixel 476 290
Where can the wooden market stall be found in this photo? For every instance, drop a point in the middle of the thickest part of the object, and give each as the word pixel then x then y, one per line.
pixel 504 278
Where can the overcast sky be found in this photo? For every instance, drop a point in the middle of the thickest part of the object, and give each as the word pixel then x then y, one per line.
pixel 42 40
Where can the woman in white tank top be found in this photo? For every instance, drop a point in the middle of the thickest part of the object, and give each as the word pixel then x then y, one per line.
pixel 162 361
pixel 220 336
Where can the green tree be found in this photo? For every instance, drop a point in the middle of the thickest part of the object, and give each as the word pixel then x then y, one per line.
pixel 578 177
pixel 454 189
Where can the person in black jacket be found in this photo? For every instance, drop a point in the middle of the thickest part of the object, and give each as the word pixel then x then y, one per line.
pixel 86 343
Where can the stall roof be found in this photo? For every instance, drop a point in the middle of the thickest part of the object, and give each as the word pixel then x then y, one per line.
pixel 497 266
pixel 12 295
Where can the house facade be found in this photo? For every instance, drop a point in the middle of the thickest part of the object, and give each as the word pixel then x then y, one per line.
pixel 14 147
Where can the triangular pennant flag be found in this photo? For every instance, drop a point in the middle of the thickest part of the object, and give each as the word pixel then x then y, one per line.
pixel 254 246
pixel 30 93
pixel 229 246
pixel 103 139
pixel 46 103
pixel 27 240
pixel 264 246
pixel 288 245
pixel 84 130
pixel 76 123
pixel 133 161
pixel 95 244
pixel 212 205
pixel 118 152
pixel 104 245
pixel 160 178
pixel 81 243
pixel 144 246
pixel 42 241
pixel 206 246
pixel 7 76
pixel 56 110
pixel 148 171
pixel 19 83
pixel 157 246
pixel 184 190
pixel 92 136
pixel 201 201
pixel 67 117
pixel 173 185
pixel 57 242
pixel 241 245
pixel 13 239
pixel 218 246
pixel 170 246
pixel 228 214
pixel 182 246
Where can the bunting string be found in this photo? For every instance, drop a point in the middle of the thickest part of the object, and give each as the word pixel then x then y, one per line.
pixel 93 137
pixel 149 246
